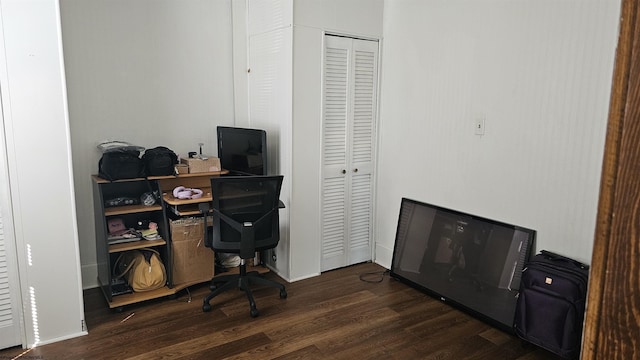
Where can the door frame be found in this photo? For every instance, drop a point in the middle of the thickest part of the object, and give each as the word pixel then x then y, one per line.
pixel 376 136
pixel 614 296
pixel 6 213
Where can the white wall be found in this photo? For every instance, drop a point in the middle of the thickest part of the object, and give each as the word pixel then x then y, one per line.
pixel 539 72
pixel 285 40
pixel 40 172
pixel 312 19
pixel 269 32
pixel 151 72
pixel 161 72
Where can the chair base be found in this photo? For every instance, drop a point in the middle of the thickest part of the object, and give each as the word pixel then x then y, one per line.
pixel 241 281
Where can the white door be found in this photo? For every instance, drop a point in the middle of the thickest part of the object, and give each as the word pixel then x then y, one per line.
pixel 9 324
pixel 348 147
pixel 9 289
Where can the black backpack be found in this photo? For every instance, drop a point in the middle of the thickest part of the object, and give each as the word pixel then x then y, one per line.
pixel 159 161
pixel 120 164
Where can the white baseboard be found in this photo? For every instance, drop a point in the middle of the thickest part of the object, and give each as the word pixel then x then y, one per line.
pixel 89 276
pixel 384 256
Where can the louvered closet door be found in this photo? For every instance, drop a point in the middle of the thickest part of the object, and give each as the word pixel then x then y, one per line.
pixel 349 118
pixel 9 330
pixel 9 289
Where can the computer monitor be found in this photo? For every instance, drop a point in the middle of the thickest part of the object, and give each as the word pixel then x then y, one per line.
pixel 242 151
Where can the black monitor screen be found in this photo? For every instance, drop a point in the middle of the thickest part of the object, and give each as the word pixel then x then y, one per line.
pixel 242 151
pixel 466 260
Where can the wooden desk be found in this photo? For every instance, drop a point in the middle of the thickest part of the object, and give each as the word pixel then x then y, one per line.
pixel 189 207
pixel 107 253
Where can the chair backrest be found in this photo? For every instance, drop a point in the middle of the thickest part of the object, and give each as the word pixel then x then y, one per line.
pixel 245 214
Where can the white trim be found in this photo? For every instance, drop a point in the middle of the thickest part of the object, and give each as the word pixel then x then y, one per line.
pixel 74 217
pixel 33 58
pixel 9 217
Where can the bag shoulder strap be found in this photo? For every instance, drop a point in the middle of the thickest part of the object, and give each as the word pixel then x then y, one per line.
pixel 124 256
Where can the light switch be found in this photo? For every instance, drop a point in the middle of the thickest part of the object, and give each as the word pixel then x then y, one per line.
pixel 479 126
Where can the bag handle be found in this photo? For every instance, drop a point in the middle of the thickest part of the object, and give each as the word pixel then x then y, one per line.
pixel 116 264
pixel 557 257
pixel 148 253
pixel 131 255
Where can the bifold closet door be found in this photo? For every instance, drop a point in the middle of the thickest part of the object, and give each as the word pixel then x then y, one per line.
pixel 9 316
pixel 348 146
pixel 9 287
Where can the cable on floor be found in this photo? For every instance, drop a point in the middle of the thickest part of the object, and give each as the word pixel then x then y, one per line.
pixel 374 277
pixel 188 299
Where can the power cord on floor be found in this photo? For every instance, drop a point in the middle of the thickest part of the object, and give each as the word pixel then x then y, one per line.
pixel 374 277
pixel 188 299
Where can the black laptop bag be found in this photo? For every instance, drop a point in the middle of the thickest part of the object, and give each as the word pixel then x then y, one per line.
pixel 120 164
pixel 551 304
pixel 159 161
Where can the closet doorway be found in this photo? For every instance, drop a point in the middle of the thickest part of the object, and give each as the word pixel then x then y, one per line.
pixel 10 315
pixel 349 105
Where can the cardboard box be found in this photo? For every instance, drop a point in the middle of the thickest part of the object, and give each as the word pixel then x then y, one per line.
pixel 197 165
pixel 192 261
pixel 182 168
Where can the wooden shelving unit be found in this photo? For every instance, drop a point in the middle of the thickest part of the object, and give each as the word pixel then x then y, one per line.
pixel 158 212
pixel 131 215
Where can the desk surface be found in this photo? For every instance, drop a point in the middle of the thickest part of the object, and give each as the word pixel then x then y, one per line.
pixel 98 179
pixel 191 175
pixel 172 200
pixel 187 207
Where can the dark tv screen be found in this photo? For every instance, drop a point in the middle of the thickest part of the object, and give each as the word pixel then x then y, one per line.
pixel 242 151
pixel 472 262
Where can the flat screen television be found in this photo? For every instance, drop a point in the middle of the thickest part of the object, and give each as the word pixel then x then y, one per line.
pixel 242 151
pixel 471 262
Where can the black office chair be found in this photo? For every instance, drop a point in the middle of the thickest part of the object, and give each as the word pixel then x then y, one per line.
pixel 245 220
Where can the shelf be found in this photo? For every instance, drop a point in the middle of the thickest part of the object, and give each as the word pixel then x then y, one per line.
pixel 100 180
pixel 172 200
pixel 186 207
pixel 135 245
pixel 214 173
pixel 130 209
pixel 127 299
pixel 186 210
pixel 135 297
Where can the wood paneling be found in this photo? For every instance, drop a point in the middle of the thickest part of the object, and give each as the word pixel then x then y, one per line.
pixel 612 324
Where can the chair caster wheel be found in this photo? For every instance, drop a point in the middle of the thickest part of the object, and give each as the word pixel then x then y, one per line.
pixel 206 307
pixel 283 294
pixel 254 313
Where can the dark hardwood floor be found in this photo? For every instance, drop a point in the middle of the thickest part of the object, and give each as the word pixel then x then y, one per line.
pixel 333 316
